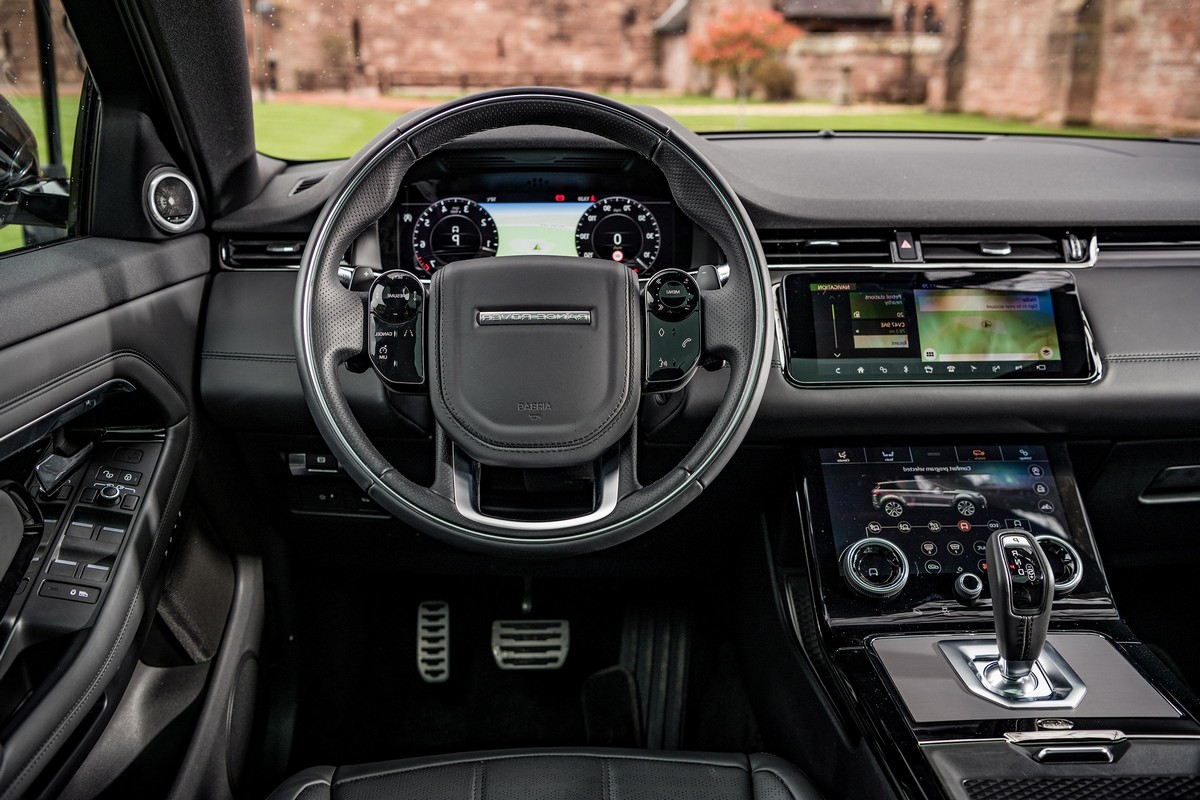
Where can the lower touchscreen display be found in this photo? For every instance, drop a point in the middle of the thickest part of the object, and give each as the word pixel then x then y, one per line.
pixel 939 504
pixel 865 327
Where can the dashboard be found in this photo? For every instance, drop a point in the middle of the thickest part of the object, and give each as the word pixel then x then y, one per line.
pixel 534 202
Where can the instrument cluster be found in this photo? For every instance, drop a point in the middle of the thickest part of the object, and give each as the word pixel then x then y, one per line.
pixel 528 203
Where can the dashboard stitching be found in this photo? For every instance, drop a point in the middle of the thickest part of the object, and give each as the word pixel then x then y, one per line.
pixel 557 754
pixel 573 444
pixel 216 354
pixel 75 372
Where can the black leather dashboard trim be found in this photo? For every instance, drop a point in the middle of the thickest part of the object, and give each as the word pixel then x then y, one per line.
pixel 74 279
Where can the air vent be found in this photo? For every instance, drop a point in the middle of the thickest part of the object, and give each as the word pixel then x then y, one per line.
pixel 281 253
pixel 1156 239
pixel 304 184
pixel 784 250
pixel 1022 248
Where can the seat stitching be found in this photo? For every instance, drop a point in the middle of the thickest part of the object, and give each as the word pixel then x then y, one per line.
pixel 777 777
pixel 475 782
pixel 605 779
pixel 403 770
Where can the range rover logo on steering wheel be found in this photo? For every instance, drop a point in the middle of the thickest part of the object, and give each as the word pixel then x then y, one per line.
pixel 535 317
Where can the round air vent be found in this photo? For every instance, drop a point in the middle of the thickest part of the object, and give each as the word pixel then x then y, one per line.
pixel 171 201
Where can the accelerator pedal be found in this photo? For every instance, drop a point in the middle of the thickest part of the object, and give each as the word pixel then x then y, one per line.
pixel 530 643
pixel 433 641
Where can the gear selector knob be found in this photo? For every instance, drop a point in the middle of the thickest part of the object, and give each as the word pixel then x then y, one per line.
pixel 1022 588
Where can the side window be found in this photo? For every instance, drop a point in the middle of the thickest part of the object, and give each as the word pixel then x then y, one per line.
pixel 42 75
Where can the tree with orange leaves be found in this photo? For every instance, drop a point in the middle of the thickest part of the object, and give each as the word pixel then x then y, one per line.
pixel 740 39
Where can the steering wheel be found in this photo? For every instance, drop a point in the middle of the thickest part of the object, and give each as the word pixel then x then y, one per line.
pixel 534 363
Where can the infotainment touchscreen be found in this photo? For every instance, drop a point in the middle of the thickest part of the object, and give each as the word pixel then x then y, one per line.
pixel 939 504
pixel 851 327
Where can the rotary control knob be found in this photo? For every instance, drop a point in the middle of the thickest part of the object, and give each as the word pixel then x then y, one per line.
pixel 109 495
pixel 1065 563
pixel 875 567
pixel 967 588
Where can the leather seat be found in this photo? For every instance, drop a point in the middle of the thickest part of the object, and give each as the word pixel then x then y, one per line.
pixel 557 774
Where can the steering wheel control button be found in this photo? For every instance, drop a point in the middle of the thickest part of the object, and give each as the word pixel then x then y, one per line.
pixel 68 591
pixel 672 301
pixel 874 567
pixel 396 328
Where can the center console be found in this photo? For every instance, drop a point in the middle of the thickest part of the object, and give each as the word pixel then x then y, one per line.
pixel 954 602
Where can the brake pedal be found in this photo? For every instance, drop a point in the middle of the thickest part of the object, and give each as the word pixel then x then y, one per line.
pixel 530 643
pixel 433 641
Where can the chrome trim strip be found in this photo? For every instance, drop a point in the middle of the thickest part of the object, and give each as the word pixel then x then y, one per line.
pixel 533 317
pixel 466 498
pixel 972 658
pixel 1064 587
pixel 157 218
pixel 1093 257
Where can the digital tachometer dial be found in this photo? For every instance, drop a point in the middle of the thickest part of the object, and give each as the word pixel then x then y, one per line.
pixel 453 229
pixel 619 229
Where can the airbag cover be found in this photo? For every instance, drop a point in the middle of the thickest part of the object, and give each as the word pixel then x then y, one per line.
pixel 535 389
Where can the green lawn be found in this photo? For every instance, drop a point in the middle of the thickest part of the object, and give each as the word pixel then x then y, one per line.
pixel 314 132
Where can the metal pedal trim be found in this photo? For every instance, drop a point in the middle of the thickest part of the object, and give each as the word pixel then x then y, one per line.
pixel 530 643
pixel 433 641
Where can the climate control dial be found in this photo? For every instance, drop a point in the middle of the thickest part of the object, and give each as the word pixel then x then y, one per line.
pixel 875 567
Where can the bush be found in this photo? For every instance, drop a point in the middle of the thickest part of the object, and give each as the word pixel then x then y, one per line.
pixel 776 79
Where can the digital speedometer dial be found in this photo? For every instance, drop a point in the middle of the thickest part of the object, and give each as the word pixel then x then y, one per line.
pixel 619 229
pixel 453 229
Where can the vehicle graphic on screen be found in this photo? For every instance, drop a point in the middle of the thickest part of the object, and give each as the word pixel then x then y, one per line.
pixel 893 497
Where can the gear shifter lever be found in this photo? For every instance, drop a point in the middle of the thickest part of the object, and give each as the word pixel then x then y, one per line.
pixel 1022 587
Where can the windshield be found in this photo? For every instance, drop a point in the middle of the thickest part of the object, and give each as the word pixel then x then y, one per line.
pixel 329 74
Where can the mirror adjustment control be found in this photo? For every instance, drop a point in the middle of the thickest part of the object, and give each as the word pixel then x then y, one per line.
pixel 109 494
pixel 673 326
pixel 396 328
pixel 875 567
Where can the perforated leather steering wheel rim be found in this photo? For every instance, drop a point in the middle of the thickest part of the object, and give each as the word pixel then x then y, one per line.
pixel 329 320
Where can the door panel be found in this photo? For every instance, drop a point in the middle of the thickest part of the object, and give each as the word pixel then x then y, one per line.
pixel 76 316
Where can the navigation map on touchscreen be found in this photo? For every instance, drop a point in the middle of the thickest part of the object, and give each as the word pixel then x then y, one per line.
pixel 982 324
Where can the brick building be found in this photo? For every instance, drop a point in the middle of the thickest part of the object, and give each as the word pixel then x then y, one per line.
pixel 1126 64
pixel 455 43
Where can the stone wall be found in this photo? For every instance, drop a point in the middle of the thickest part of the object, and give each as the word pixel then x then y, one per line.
pixel 1125 64
pixel 466 43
